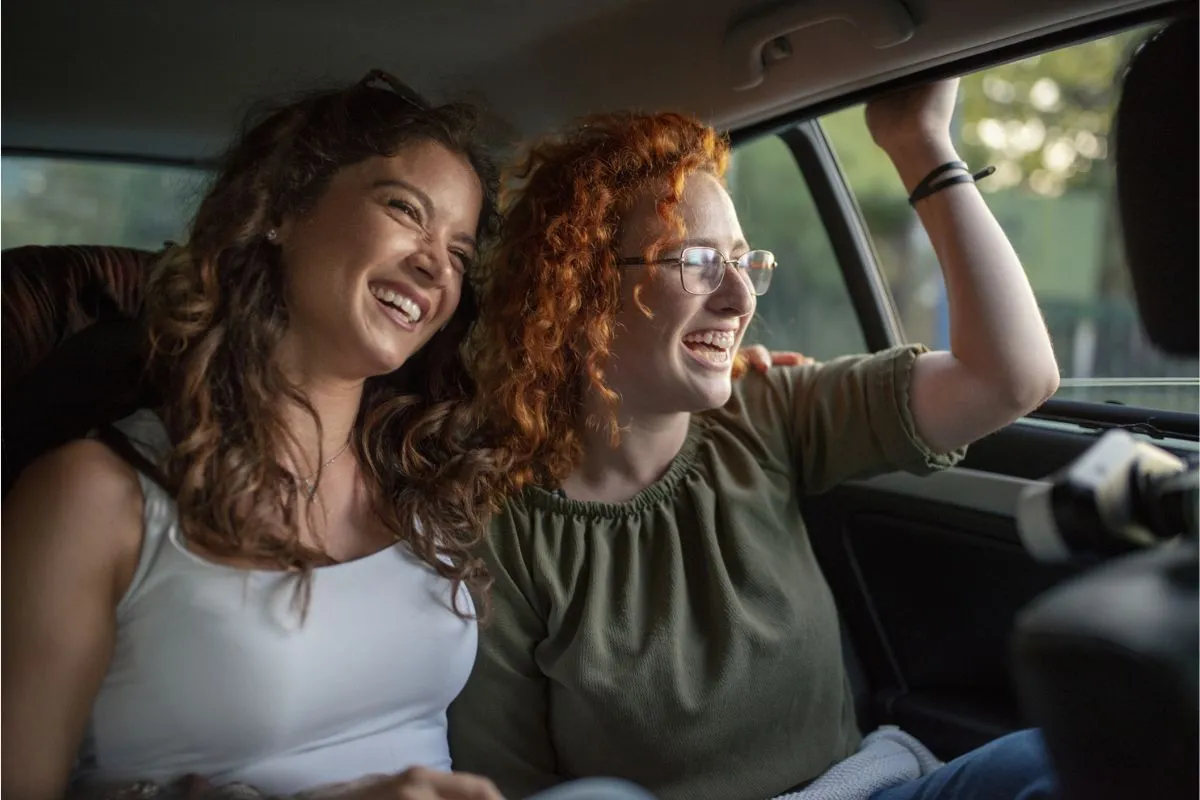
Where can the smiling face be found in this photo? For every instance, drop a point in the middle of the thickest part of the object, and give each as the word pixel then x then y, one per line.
pixel 680 359
pixel 376 267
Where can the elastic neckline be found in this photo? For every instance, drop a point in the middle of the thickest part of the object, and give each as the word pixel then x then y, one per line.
pixel 660 490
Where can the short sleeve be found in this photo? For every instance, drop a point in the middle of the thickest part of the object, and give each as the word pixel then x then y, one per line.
pixel 842 419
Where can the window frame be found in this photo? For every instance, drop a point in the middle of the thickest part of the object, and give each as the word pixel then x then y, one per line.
pixel 854 247
pixel 107 157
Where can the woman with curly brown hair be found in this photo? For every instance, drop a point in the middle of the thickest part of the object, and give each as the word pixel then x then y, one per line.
pixel 267 579
pixel 659 613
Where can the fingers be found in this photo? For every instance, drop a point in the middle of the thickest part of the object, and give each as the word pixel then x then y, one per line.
pixel 757 356
pixel 464 786
pixel 787 358
pixel 761 359
pixel 447 785
pixel 414 791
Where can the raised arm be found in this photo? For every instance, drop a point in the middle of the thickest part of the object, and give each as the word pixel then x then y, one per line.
pixel 72 530
pixel 1001 364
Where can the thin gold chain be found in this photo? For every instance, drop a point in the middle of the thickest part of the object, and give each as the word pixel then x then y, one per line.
pixel 309 482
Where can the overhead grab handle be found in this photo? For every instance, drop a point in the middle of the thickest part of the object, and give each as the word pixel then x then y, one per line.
pixel 759 39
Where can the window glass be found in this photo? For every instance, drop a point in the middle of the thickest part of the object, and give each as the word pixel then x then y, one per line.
pixel 1044 123
pixel 807 307
pixel 53 201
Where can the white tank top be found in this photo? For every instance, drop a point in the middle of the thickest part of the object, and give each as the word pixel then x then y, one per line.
pixel 213 673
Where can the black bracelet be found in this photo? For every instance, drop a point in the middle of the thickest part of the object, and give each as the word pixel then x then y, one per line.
pixel 931 184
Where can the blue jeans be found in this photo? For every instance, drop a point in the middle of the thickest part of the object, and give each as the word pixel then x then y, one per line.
pixel 1013 767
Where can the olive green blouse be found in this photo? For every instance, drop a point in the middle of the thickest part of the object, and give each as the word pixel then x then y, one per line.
pixel 686 639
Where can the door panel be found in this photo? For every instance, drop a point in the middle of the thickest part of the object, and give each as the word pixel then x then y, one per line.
pixel 929 573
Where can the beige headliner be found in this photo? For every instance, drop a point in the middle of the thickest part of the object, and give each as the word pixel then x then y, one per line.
pixel 167 78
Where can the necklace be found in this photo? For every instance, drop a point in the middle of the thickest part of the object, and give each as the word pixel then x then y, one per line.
pixel 310 484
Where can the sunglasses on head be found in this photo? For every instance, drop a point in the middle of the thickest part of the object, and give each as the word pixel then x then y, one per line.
pixel 380 80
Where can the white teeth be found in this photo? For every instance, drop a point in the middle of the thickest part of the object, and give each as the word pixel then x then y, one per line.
pixel 722 339
pixel 409 307
pixel 405 304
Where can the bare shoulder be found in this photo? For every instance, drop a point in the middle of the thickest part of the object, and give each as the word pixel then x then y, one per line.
pixel 79 501
pixel 71 540
pixel 80 475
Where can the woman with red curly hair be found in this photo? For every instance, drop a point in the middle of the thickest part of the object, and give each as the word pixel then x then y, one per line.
pixel 660 615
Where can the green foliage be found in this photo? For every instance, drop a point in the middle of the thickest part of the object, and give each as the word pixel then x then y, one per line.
pixel 808 306
pixel 1044 121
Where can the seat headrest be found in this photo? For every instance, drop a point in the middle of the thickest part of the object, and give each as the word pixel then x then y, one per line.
pixel 73 345
pixel 50 293
pixel 1156 138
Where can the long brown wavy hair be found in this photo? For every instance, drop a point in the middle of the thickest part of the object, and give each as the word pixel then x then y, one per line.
pixel 216 313
pixel 552 284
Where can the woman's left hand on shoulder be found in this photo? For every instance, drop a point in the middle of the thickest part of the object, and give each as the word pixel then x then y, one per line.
pixel 761 359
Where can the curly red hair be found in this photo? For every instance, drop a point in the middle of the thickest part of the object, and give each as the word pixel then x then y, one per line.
pixel 552 283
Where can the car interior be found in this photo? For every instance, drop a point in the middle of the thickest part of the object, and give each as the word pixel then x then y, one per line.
pixel 115 111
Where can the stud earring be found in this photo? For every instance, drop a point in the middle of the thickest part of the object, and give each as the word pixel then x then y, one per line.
pixel 272 235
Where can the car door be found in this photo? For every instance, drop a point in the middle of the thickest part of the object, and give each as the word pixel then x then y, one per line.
pixel 929 573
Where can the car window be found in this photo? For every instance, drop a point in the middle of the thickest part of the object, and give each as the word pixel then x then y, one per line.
pixel 1045 124
pixel 53 201
pixel 808 307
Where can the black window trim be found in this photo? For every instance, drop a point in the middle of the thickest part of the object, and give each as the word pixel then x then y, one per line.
pixel 1152 422
pixel 105 157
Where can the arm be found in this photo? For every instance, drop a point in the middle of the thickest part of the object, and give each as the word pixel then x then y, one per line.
pixel 841 419
pixel 1001 364
pixel 72 530
pixel 499 725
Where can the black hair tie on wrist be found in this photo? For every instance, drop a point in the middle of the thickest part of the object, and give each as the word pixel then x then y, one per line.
pixel 930 183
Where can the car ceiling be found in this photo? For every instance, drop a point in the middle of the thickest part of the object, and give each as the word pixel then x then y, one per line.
pixel 170 79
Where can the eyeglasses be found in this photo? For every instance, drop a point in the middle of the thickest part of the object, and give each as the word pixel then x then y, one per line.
pixel 701 269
